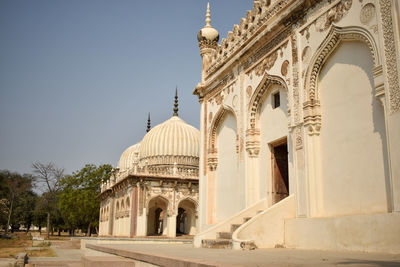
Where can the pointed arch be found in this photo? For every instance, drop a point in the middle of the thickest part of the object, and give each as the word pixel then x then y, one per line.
pixel 195 203
pixel 167 202
pixel 335 36
pixel 261 92
pixel 218 118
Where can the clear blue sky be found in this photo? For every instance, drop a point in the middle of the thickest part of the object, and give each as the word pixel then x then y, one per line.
pixel 78 77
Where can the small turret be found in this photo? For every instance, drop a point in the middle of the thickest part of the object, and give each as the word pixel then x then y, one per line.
pixel 208 38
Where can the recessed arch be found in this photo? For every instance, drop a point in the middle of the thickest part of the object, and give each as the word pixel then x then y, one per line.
pixel 259 95
pixel 335 36
pixel 218 118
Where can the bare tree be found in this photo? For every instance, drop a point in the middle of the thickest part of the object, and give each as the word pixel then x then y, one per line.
pixel 47 177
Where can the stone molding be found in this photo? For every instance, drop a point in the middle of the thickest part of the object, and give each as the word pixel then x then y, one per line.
pixel 390 55
pixel 333 39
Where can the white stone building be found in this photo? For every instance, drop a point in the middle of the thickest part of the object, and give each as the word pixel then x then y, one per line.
pixel 154 189
pixel 300 127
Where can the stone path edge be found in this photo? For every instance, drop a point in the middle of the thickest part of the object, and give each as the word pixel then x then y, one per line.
pixel 157 259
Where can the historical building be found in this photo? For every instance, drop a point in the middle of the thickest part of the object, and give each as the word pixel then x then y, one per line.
pixel 154 189
pixel 300 127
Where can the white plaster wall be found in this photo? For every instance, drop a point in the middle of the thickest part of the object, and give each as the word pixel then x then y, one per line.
pixel 353 145
pixel 230 187
pixel 273 126
pixel 368 232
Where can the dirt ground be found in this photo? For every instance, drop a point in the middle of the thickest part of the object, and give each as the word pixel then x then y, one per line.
pixel 21 241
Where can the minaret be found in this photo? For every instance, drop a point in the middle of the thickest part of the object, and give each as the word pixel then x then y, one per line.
pixel 208 41
pixel 176 102
pixel 148 124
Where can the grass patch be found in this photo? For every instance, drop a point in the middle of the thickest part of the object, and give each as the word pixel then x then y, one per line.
pixel 11 247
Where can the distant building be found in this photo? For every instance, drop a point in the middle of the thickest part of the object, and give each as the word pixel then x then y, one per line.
pixel 300 127
pixel 154 189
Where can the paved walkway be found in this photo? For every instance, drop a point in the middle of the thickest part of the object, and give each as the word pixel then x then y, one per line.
pixel 186 255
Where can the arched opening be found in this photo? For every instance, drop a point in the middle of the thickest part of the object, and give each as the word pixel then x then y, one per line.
pixel 186 218
pixel 354 172
pixel 157 216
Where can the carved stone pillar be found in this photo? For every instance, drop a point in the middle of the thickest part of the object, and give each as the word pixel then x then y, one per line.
pixel 312 124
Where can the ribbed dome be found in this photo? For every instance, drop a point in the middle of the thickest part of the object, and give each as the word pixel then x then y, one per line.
pixel 173 141
pixel 130 155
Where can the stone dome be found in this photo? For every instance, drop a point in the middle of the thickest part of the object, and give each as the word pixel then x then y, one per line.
pixel 128 157
pixel 171 142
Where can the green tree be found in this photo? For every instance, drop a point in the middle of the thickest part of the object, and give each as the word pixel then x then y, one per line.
pixel 79 205
pixel 14 189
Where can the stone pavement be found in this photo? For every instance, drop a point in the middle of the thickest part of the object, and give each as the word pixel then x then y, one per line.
pixel 186 255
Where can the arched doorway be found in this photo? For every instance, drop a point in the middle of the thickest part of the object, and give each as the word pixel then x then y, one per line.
pixel 157 216
pixel 186 218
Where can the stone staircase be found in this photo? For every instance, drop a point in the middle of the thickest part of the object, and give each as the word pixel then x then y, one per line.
pixel 224 239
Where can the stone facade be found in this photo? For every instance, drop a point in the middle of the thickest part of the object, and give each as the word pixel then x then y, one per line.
pixel 300 111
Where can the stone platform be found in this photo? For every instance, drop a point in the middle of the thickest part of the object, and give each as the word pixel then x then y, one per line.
pixel 186 255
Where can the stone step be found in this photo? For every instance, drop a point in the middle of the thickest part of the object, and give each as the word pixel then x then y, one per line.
pixel 216 243
pixel 224 235
pixel 246 219
pixel 234 227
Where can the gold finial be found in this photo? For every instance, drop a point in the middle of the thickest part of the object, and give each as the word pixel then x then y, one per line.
pixel 208 16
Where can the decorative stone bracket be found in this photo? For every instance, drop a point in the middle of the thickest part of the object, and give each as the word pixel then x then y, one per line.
pixel 212 162
pixel 312 117
pixel 253 142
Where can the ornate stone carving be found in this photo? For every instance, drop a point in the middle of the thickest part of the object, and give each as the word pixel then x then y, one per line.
pixel 252 142
pixel 266 64
pixel 335 14
pixel 298 138
pixel 284 68
pixel 210 117
pixel 390 55
pixel 306 55
pixel 367 13
pixel 249 90
pixel 235 100
pixel 219 98
pixel 255 19
pixel 295 73
pixel 212 162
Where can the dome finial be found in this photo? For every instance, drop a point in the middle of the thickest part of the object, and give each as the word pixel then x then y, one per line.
pixel 148 123
pixel 176 102
pixel 208 16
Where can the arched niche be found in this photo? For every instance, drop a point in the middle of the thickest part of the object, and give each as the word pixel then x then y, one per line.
pixel 349 174
pixel 157 208
pixel 186 219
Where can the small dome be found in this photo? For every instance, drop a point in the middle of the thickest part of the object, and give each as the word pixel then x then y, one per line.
pixel 208 32
pixel 130 155
pixel 173 141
